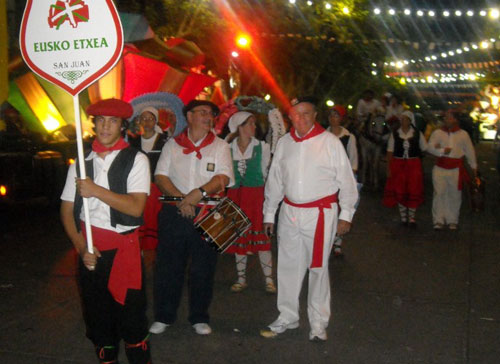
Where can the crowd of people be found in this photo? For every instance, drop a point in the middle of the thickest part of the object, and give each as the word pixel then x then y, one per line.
pixel 309 181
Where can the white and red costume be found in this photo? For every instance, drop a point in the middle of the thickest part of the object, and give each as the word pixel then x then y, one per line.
pixel 310 174
pixel 449 173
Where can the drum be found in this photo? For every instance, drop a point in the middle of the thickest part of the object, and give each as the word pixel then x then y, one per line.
pixel 223 225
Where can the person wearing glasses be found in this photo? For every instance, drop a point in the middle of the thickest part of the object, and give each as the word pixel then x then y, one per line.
pixel 193 165
pixel 150 141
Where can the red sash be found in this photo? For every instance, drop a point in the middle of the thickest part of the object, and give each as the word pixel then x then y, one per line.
pixel 99 148
pixel 316 130
pixel 183 140
pixel 319 234
pixel 452 163
pixel 126 271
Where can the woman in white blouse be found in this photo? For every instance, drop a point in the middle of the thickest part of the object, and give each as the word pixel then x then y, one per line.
pixel 250 163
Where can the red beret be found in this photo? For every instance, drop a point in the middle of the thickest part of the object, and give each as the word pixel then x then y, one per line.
pixel 340 110
pixel 111 107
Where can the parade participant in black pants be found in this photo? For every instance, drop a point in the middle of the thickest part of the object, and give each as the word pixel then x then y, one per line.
pixel 192 165
pixel 111 279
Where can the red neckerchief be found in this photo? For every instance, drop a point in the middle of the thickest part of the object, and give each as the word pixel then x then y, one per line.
pixel 183 140
pixel 316 130
pixel 99 148
pixel 451 130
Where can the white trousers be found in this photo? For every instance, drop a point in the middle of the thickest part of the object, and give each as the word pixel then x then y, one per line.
pixel 447 197
pixel 296 229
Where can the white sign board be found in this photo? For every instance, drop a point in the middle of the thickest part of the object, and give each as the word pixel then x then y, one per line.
pixel 71 43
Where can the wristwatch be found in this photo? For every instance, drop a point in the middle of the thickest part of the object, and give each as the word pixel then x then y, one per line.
pixel 203 192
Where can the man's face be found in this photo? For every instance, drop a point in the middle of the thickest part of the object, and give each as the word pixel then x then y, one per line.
pixel 450 120
pixel 200 118
pixel 303 117
pixel 108 129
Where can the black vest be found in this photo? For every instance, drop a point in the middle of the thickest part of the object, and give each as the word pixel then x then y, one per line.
pixel 154 155
pixel 414 150
pixel 345 141
pixel 117 178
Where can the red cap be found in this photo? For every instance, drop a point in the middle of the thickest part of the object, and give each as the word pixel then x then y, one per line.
pixel 340 110
pixel 111 107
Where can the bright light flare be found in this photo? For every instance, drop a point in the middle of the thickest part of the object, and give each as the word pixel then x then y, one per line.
pixel 3 190
pixel 494 14
pixel 235 54
pixel 330 103
pixel 243 41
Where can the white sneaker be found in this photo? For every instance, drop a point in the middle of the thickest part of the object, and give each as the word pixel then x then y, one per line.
pixel 158 327
pixel 202 329
pixel 317 334
pixel 278 327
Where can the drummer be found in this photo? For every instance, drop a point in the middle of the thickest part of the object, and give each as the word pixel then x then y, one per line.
pixel 193 165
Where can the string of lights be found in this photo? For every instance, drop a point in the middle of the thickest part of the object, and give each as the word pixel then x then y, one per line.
pixel 483 45
pixel 491 13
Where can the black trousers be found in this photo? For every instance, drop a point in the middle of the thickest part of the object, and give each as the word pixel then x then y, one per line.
pixel 108 321
pixel 177 242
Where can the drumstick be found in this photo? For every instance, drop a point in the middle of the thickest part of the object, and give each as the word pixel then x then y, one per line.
pixel 178 198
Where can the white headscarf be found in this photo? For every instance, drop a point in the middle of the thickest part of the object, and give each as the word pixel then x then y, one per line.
pixel 155 113
pixel 410 116
pixel 237 119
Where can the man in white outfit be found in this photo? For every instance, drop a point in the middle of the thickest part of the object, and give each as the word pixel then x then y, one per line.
pixel 310 171
pixel 450 144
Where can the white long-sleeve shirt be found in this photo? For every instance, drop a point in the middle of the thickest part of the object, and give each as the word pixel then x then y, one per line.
pixel 458 141
pixel 308 171
pixel 364 108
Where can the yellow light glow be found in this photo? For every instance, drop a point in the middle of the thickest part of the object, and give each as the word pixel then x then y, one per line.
pixel 349 107
pixel 484 44
pixel 399 64
pixel 402 81
pixel 329 103
pixel 3 190
pixel 109 86
pixel 243 41
pixel 50 124
pixel 494 14
pixel 71 161
pixel 267 97
pixel 346 10
pixel 40 102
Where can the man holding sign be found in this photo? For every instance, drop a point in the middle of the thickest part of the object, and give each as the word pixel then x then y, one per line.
pixel 118 182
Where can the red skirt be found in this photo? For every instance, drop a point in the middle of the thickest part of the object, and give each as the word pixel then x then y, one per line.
pixel 406 184
pixel 148 233
pixel 250 200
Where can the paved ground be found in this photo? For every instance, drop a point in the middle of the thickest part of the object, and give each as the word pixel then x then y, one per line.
pixel 399 296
